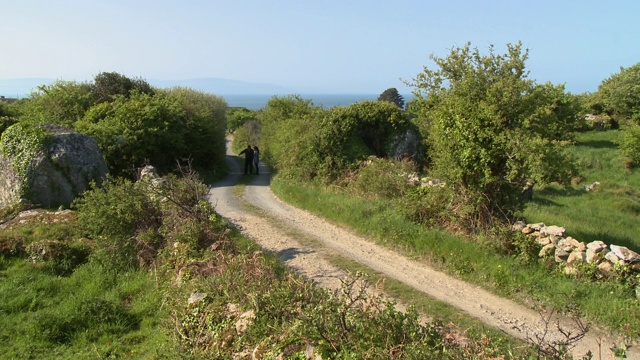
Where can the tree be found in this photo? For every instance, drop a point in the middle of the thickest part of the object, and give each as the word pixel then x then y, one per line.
pixel 491 129
pixel 392 95
pixel 286 133
pixel 106 85
pixel 620 94
pixel 132 131
pixel 203 127
pixel 236 117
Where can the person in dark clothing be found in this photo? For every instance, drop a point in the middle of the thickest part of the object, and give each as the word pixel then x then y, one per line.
pixel 256 158
pixel 248 159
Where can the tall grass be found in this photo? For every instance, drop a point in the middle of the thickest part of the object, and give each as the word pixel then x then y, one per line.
pixel 612 212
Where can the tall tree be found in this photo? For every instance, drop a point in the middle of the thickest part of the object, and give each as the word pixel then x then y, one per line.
pixel 491 129
pixel 620 93
pixel 392 95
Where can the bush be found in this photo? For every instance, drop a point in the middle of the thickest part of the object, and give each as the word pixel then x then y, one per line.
pixel 630 146
pixel 491 130
pixel 382 177
pixel 113 216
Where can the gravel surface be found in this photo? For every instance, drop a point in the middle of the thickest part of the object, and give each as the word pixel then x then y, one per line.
pixel 304 241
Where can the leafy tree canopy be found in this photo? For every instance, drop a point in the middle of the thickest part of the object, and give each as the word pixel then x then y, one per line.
pixel 109 84
pixel 490 128
pixel 392 95
pixel 620 93
pixel 62 103
pixel 236 117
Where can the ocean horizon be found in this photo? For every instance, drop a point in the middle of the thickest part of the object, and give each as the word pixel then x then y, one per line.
pixel 326 101
pixel 258 101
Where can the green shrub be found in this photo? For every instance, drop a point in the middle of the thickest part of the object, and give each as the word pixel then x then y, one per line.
pixel 630 146
pixel 382 177
pixel 113 216
pixel 491 130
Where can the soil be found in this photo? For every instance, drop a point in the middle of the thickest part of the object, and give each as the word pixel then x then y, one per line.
pixel 304 242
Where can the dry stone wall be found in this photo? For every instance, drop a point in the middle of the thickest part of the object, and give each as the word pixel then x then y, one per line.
pixel 610 260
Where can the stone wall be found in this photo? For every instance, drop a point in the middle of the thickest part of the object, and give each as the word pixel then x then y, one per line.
pixel 609 260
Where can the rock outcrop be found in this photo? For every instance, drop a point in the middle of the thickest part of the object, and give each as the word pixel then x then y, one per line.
pixel 47 165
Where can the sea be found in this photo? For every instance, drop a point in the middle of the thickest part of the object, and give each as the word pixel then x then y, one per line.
pixel 257 102
pixel 326 101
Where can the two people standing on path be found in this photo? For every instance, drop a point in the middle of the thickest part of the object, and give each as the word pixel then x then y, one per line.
pixel 251 159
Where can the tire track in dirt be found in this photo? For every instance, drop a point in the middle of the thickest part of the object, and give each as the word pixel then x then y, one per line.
pixel 506 315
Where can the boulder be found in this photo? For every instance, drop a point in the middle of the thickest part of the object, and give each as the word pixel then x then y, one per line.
pixel 47 165
pixel 625 254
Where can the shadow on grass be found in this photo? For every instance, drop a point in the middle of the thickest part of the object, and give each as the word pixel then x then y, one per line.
pixel 543 196
pixel 597 144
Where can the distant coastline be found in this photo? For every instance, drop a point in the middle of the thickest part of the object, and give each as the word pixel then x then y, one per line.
pixel 326 101
pixel 257 102
pixel 253 96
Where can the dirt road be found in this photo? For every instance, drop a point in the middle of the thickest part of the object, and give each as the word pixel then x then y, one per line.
pixel 279 228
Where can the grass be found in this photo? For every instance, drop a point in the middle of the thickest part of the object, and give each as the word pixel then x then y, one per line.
pixel 425 305
pixel 612 212
pixel 527 282
pixel 91 314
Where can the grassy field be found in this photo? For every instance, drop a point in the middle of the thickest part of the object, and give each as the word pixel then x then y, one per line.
pixel 92 313
pixel 526 281
pixel 612 212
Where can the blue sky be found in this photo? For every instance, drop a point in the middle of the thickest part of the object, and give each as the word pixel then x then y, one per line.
pixel 334 46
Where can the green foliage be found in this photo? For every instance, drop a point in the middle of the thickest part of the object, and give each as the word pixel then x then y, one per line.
pixel 630 146
pixel 113 216
pixel 392 95
pixel 237 117
pixel 288 136
pixel 8 115
pixel 610 213
pixel 133 131
pixel 60 257
pixel 173 125
pixel 5 122
pixel 203 125
pixel 348 135
pixel 21 143
pixel 382 177
pixel 62 103
pixel 620 94
pixel 92 312
pixel 491 129
pixel 108 85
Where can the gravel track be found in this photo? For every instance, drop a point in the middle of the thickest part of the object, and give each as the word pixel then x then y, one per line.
pixel 279 228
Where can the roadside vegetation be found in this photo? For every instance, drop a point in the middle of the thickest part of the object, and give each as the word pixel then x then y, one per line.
pixel 147 269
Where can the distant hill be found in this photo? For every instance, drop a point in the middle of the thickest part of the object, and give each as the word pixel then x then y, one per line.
pixel 20 88
pixel 224 86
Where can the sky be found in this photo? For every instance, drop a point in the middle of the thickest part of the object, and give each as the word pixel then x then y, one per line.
pixel 312 46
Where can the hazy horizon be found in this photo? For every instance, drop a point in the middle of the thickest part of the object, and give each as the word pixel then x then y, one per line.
pixel 328 46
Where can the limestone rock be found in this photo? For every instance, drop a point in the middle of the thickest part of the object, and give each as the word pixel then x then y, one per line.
pixel 625 254
pixel 553 230
pixel 577 257
pixel 518 226
pixel 605 269
pixel 597 246
pixel 54 172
